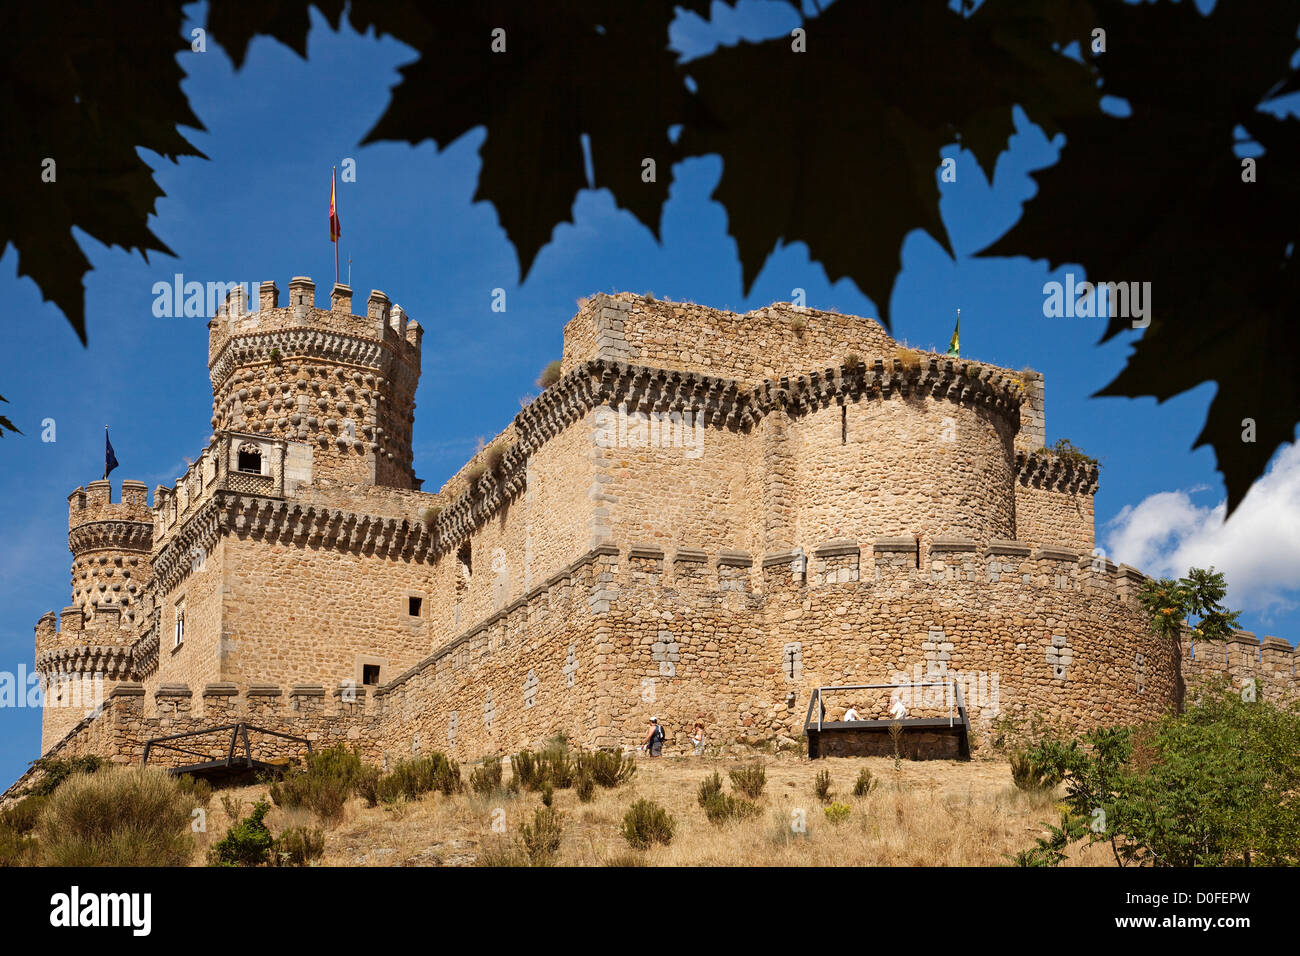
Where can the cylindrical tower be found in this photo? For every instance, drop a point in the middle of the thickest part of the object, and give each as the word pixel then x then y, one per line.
pixel 341 382
pixel 88 651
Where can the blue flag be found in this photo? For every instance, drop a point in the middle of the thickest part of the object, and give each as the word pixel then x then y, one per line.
pixel 110 460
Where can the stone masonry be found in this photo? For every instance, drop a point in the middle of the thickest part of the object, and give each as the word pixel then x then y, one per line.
pixel 707 516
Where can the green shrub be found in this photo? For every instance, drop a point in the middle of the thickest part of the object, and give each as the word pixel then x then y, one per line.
pixel 1029 772
pixel 247 843
pixel 541 839
pixel 558 768
pixel 749 780
pixel 852 362
pixel 864 784
pixel 721 807
pixel 197 789
pixel 367 784
pixel 585 786
pixel 298 846
pixel 430 517
pixel 608 768
pixel 529 769
pixel 647 823
pixel 412 779
pixel 548 794
pixel 710 787
pixel 24 815
pixel 549 375
pixel 55 770
pixel 116 817
pixel 494 458
pixel 837 813
pixel 822 786
pixel 323 786
pixel 485 779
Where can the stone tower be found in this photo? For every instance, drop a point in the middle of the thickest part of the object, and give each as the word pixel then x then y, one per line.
pixel 343 383
pixel 83 655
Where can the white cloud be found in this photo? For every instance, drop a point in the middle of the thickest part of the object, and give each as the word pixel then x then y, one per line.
pixel 1258 549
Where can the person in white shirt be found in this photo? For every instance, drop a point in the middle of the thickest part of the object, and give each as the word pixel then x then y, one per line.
pixel 896 709
pixel 851 714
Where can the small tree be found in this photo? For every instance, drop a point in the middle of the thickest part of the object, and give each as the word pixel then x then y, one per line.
pixel 1170 604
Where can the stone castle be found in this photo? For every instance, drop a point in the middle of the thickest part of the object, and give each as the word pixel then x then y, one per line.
pixel 704 517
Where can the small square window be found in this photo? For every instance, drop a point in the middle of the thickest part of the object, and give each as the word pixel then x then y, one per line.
pixel 413 606
pixel 370 675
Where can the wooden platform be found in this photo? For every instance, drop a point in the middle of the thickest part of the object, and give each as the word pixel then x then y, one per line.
pixel 919 738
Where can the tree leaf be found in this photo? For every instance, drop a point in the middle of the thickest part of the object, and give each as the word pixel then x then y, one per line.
pixel 839 146
pixel 86 86
pixel 1158 197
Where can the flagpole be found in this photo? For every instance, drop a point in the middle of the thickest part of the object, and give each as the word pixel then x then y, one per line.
pixel 106 457
pixel 334 190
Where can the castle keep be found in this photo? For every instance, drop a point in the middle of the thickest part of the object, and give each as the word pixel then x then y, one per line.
pixel 706 516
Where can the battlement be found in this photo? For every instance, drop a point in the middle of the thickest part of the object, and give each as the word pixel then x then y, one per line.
pixel 270 322
pixel 95 503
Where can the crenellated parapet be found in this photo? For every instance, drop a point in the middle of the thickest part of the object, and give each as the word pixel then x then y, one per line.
pixel 1057 473
pixel 341 383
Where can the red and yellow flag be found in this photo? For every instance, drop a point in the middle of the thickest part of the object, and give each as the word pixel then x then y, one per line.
pixel 336 228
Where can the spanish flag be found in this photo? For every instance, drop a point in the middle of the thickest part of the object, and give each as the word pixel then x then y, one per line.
pixel 954 347
pixel 336 228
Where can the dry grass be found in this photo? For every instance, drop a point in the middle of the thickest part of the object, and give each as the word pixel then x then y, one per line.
pixel 927 813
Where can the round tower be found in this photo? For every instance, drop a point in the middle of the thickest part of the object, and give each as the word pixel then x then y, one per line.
pixel 342 383
pixel 88 650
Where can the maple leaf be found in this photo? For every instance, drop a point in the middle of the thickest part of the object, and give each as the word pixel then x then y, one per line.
pixel 1159 196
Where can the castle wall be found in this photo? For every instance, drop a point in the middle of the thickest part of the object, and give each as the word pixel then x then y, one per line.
pixel 297 614
pixel 742 648
pixel 884 467
pixel 700 492
pixel 1046 515
pixel 770 342
pixel 200 592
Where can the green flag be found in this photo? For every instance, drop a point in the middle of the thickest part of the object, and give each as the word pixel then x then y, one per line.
pixel 954 347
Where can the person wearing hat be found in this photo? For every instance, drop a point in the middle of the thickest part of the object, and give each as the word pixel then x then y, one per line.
pixel 654 740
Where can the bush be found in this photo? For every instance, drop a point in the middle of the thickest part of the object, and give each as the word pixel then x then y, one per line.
pixel 474 473
pixel 197 789
pixel 24 815
pixel 558 767
pixel 822 785
pixel 330 777
pixel 412 779
pixel 541 840
pixel 55 770
pixel 367 784
pixel 247 843
pixel 585 786
pixel 549 375
pixel 864 784
pixel 721 807
pixel 298 846
pixel 528 770
pixel 837 813
pixel 430 517
pixel 117 817
pixel 486 778
pixel 548 794
pixel 797 324
pixel 710 787
pixel 1029 775
pixel 647 823
pixel 749 780
pixel 608 768
pixel 910 359
pixel 852 362
pixel 494 457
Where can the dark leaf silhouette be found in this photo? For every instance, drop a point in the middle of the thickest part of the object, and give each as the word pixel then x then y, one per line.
pixel 86 84
pixel 1159 197
pixel 838 147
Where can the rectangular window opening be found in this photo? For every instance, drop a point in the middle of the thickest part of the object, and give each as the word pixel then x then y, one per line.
pixel 413 606
pixel 370 675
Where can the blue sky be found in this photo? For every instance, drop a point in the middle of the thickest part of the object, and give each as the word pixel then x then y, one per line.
pixel 257 209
